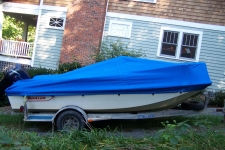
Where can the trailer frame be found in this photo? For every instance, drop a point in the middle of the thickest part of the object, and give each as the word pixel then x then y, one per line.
pixel 91 117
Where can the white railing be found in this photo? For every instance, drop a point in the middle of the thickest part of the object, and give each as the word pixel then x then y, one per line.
pixel 16 48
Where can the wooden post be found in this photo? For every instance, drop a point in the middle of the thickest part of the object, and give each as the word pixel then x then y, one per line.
pixel 25 31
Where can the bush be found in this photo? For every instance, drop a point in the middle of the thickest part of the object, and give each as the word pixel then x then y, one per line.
pixel 219 99
pixel 62 69
pixel 68 67
pixel 40 71
pixel 110 49
pixel 4 101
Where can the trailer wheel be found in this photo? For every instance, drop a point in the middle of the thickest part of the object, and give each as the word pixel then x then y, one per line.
pixel 70 120
pixel 192 105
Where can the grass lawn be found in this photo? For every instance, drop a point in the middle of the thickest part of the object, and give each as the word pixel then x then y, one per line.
pixel 204 132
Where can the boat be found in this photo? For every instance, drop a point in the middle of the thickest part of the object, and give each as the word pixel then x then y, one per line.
pixel 118 85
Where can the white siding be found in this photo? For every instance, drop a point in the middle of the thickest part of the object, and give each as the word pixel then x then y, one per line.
pixel 49 44
pixel 145 37
pixel 213 53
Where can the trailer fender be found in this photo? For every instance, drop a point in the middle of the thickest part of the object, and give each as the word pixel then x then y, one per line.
pixel 71 107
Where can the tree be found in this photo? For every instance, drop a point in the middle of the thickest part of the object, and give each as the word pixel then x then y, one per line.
pixel 13 29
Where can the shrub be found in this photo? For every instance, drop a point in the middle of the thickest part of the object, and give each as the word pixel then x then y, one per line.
pixel 39 71
pixel 1 75
pixel 4 101
pixel 110 49
pixel 219 99
pixel 61 69
pixel 68 67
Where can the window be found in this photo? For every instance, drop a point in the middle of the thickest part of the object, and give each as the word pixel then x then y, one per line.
pixel 179 44
pixel 120 29
pixel 56 22
pixel 150 1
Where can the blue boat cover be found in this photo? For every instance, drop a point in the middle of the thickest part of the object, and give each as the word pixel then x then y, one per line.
pixel 121 75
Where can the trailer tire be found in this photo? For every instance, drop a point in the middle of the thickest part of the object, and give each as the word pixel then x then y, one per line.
pixel 70 120
pixel 192 105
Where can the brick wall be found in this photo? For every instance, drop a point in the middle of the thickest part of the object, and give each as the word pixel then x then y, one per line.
pixel 83 30
pixel 200 11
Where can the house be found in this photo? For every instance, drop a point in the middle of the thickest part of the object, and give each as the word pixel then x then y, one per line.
pixel 171 30
pixel 66 31
pixel 168 30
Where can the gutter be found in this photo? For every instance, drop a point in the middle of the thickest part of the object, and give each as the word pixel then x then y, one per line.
pixel 36 34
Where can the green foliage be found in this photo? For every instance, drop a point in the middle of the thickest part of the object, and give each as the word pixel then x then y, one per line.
pixel 175 135
pixel 31 33
pixel 5 140
pixel 184 136
pixel 110 49
pixel 219 99
pixel 61 69
pixel 4 101
pixel 171 135
pixel 95 139
pixel 13 29
pixel 3 98
pixel 68 67
pixel 40 71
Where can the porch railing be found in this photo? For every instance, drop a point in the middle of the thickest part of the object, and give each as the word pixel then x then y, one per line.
pixel 16 48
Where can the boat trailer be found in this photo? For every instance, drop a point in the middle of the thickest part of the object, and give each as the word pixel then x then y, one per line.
pixel 73 117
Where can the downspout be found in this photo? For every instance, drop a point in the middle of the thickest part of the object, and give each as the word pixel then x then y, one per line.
pixel 104 22
pixel 36 34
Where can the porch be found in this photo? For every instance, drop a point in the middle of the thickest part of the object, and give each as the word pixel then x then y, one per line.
pixel 16 51
pixel 14 47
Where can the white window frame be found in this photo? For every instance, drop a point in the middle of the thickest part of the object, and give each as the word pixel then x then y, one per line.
pixel 147 1
pixel 179 44
pixel 49 16
pixel 110 33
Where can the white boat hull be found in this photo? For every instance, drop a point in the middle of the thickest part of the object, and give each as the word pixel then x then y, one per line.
pixel 102 103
